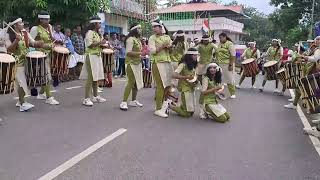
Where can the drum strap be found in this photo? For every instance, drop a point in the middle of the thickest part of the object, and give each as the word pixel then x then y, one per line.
pixel 275 54
pixel 26 38
pixel 254 52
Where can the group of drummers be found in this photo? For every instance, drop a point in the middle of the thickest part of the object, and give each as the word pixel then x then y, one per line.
pixel 205 66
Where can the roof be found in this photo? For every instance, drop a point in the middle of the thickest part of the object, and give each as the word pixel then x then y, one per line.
pixel 205 6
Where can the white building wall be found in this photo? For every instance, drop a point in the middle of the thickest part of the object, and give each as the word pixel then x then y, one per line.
pixel 118 21
pixel 219 23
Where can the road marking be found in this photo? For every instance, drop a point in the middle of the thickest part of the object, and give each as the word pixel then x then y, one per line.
pixel 315 141
pixel 74 87
pixel 76 159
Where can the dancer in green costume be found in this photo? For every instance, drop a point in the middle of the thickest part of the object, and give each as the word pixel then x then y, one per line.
pixel 211 84
pixel 92 69
pixel 133 68
pixel 225 57
pixel 186 74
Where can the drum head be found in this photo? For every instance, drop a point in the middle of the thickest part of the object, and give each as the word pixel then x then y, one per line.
pixel 247 61
pixel 107 51
pixel 62 50
pixel 281 70
pixel 6 58
pixel 270 63
pixel 36 54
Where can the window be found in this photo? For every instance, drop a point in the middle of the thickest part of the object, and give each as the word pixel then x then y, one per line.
pixel 194 32
pixel 186 32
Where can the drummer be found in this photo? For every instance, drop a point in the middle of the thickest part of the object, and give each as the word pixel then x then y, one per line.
pixel 17 43
pixel 274 53
pixel 43 32
pixel 133 67
pixel 314 68
pixel 296 57
pixel 250 52
pixel 92 69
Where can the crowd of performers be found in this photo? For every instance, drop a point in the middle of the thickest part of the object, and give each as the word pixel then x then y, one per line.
pixel 204 66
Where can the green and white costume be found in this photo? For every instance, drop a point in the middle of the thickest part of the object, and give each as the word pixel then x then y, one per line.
pixel 20 54
pixel 211 104
pixel 133 69
pixel 206 56
pixel 39 33
pixel 187 106
pixel 92 69
pixel 248 54
pixel 176 53
pixel 223 56
pixel 162 70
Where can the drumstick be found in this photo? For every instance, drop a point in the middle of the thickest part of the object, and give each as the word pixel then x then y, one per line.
pixel 11 28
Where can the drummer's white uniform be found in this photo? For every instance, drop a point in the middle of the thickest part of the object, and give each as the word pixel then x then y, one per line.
pixel 20 77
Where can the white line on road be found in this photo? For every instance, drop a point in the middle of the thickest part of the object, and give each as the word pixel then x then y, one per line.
pixel 74 87
pixel 315 141
pixel 65 166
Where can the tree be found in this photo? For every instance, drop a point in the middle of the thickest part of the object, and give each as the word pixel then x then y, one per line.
pixel 67 12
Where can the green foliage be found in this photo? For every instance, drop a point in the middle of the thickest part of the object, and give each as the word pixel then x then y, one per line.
pixel 68 12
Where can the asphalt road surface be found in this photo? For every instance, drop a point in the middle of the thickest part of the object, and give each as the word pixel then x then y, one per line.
pixel 263 141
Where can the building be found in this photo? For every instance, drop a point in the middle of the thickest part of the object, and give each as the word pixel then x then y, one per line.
pixel 190 17
pixel 120 15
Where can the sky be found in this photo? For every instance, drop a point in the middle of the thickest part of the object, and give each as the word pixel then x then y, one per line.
pixel 261 5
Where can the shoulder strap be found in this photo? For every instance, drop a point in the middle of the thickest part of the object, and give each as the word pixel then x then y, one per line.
pixel 275 54
pixel 254 52
pixel 26 38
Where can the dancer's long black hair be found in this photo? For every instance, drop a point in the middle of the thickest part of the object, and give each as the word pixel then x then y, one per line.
pixel 217 77
pixel 188 60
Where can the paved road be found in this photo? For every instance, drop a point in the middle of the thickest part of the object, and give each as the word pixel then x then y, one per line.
pixel 263 141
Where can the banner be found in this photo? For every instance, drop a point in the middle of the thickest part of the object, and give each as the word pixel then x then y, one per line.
pixel 317 28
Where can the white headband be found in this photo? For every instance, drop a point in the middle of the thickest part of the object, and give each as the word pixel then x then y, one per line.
pixel 156 24
pixel 205 39
pixel 275 40
pixel 214 65
pixel 318 37
pixel 159 24
pixel 192 52
pixel 252 42
pixel 179 35
pixel 135 27
pixel 95 21
pixel 16 21
pixel 41 16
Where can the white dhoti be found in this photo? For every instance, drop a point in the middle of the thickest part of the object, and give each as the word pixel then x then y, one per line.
pixel 217 109
pixel 166 72
pixel 137 72
pixel 72 61
pixel 190 101
pixel 21 79
pixel 79 58
pixel 227 76
pixel 96 68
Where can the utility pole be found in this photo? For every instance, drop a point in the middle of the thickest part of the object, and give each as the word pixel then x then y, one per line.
pixel 312 20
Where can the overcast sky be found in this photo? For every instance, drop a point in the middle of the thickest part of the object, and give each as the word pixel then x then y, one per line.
pixel 262 5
